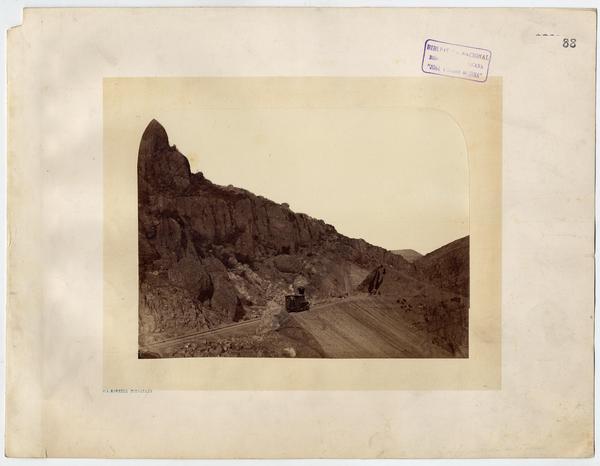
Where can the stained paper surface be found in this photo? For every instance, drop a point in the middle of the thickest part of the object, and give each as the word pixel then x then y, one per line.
pixel 74 384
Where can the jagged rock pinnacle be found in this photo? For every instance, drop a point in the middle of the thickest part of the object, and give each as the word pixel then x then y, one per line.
pixel 160 166
pixel 154 139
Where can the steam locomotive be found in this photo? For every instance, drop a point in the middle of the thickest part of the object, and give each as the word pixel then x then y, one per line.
pixel 297 302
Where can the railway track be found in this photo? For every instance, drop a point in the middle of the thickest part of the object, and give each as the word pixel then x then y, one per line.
pixel 168 342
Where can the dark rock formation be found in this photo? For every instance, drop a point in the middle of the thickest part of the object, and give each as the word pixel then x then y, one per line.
pixel 210 254
pixel 373 281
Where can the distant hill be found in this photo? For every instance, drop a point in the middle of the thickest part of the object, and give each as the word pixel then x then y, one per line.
pixel 409 254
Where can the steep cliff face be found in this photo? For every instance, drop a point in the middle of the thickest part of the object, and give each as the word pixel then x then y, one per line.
pixel 210 254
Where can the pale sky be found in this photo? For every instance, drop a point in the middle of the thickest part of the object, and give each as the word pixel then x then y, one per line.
pixel 394 176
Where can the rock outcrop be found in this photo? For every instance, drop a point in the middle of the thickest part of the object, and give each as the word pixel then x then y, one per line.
pixel 210 254
pixel 373 281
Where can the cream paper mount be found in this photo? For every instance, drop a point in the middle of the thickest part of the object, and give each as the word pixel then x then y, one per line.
pixel 75 387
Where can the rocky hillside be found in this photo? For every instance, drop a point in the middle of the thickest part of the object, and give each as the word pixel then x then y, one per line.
pixel 435 298
pixel 447 267
pixel 211 254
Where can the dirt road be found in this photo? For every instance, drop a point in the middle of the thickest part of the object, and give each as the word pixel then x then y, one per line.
pixel 366 327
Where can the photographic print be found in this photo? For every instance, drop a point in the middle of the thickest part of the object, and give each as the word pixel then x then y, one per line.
pixel 311 232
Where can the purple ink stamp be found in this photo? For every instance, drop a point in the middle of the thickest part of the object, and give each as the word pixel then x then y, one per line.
pixel 456 61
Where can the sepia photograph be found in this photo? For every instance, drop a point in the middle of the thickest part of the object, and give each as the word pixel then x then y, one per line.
pixel 355 245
